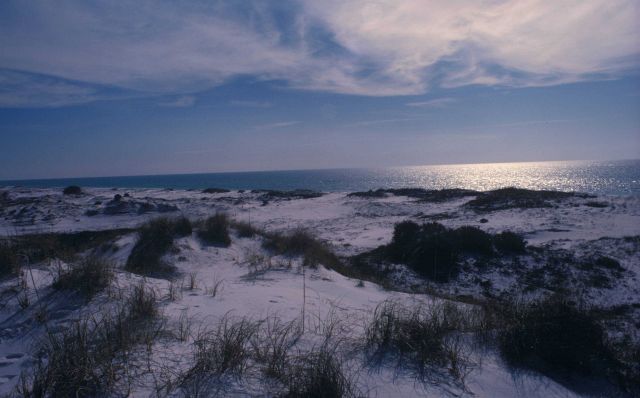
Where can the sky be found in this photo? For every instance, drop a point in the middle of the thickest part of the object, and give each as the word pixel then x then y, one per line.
pixel 98 88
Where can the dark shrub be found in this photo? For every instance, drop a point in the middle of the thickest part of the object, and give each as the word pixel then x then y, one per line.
pixel 9 258
pixel 72 190
pixel 155 238
pixel 608 262
pixel 472 240
pixel 555 335
pixel 434 251
pixel 515 198
pixel 88 277
pixel 427 249
pixel 509 242
pixel 182 227
pixel 404 240
pixel 215 230
pixel 215 190
pixel 596 204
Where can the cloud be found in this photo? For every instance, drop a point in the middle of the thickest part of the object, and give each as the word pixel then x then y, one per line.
pixel 434 103
pixel 381 48
pixel 18 90
pixel 277 125
pixel 184 101
pixel 251 104
pixel 383 121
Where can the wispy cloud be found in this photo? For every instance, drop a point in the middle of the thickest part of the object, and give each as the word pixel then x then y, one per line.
pixel 184 101
pixel 251 104
pixel 383 121
pixel 277 125
pixel 387 47
pixel 434 103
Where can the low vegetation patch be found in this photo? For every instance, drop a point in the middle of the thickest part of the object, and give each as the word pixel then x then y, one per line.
pixel 9 258
pixel 39 247
pixel 554 335
pixel 319 374
pixel 155 239
pixel 245 229
pixel 225 350
pixel 215 230
pixel 92 356
pixel 300 242
pixel 516 198
pixel 72 190
pixel 270 194
pixel 421 337
pixel 215 190
pixel 434 251
pixel 425 195
pixel 88 276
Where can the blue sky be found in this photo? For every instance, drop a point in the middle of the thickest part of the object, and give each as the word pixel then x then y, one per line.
pixel 95 89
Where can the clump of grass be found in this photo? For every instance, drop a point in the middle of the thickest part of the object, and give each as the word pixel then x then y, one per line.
pixel 88 277
pixel 65 246
pixel 91 357
pixel 244 229
pixel 271 345
pixel 420 337
pixel 554 335
pixel 142 303
pixel 224 351
pixel 300 242
pixel 155 239
pixel 182 227
pixel 72 190
pixel 215 230
pixel 319 374
pixel 9 259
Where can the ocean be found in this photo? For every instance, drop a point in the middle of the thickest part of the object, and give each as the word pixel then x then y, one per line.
pixel 620 177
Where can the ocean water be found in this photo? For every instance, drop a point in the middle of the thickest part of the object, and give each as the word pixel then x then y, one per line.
pixel 599 177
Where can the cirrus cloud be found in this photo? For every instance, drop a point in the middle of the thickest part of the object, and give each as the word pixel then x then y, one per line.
pixel 362 47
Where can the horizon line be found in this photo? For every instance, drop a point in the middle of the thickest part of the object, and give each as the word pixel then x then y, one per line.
pixel 3 181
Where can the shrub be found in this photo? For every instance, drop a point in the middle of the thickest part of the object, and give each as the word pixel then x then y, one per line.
pixel 472 240
pixel 155 238
pixel 88 277
pixel 433 251
pixel 215 230
pixel 9 258
pixel 215 190
pixel 555 335
pixel 515 198
pixel 182 227
pixel 509 242
pixel 72 190
pixel 301 243
pixel 427 249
